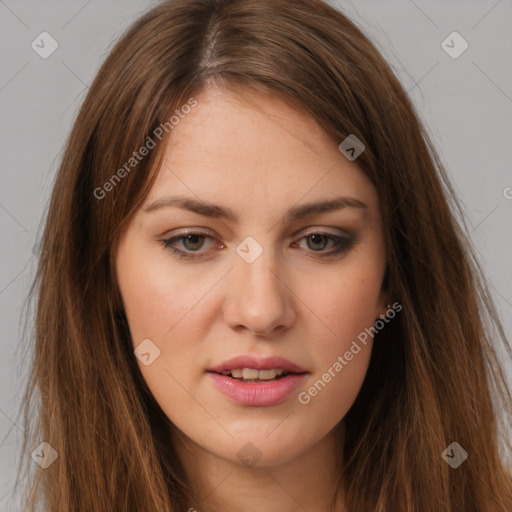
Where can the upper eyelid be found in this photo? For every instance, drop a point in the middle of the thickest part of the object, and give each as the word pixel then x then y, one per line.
pixel 168 240
pixel 307 231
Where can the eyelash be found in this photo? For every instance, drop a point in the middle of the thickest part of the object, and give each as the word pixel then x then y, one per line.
pixel 343 244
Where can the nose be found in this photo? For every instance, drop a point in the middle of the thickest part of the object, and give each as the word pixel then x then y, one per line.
pixel 259 300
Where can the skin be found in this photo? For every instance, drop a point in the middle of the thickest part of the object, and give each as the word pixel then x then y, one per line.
pixel 258 156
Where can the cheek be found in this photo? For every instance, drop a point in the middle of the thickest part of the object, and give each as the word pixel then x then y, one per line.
pixel 159 307
pixel 162 306
pixel 155 298
pixel 347 306
pixel 347 303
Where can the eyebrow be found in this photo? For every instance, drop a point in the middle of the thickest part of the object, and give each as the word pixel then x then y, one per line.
pixel 215 211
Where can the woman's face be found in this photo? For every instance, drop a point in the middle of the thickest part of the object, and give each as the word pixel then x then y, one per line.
pixel 259 277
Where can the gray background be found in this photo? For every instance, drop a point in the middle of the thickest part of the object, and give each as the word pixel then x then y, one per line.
pixel 466 104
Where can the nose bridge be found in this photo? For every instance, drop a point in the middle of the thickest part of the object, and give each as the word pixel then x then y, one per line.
pixel 259 299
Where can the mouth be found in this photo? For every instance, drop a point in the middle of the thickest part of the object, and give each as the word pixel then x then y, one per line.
pixel 251 368
pixel 254 375
pixel 251 381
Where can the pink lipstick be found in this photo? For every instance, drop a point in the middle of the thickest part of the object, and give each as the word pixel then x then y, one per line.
pixel 257 382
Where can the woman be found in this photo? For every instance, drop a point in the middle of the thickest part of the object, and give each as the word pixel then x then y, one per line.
pixel 196 349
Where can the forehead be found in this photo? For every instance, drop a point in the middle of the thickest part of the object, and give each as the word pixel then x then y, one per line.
pixel 254 152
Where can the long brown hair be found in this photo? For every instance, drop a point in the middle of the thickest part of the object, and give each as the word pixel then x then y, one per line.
pixel 434 376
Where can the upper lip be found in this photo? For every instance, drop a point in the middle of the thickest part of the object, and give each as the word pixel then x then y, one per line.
pixel 258 363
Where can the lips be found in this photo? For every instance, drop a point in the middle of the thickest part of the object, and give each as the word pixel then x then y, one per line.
pixel 257 392
pixel 267 363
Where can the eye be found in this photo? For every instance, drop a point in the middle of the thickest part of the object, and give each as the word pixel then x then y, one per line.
pixel 320 240
pixel 193 241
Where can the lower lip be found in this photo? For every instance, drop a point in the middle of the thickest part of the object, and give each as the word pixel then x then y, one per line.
pixel 257 394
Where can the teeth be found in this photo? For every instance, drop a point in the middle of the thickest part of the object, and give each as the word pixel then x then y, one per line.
pixel 267 374
pixel 253 374
pixel 249 373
